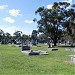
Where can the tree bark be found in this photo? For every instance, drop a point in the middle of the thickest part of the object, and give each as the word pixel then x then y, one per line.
pixel 49 46
pixel 55 43
pixel 55 40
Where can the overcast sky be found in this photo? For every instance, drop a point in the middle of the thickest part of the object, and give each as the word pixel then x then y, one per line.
pixel 19 14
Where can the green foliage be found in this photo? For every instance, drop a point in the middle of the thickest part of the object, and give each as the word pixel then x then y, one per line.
pixel 1 35
pixel 13 62
pixel 51 20
pixel 34 34
pixel 17 35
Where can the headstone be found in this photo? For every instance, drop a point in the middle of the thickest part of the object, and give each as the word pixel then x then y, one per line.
pixel 74 50
pixel 45 43
pixel 24 48
pixel 68 49
pixel 35 52
pixel 34 42
pixel 51 44
pixel 73 59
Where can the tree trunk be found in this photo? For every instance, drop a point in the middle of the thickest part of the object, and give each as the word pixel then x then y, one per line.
pixel 49 45
pixel 55 40
pixel 72 43
pixel 55 43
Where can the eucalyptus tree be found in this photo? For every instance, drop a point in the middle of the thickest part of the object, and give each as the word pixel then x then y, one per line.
pixel 17 35
pixel 69 23
pixel 1 35
pixel 51 20
pixel 25 37
pixel 8 37
pixel 34 36
pixel 1 32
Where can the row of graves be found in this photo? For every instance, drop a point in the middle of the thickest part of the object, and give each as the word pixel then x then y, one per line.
pixel 72 56
pixel 26 49
pixel 69 46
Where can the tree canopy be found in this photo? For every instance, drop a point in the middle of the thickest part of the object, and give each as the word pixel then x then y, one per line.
pixel 53 21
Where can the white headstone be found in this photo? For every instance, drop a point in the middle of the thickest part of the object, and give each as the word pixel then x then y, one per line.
pixel 73 59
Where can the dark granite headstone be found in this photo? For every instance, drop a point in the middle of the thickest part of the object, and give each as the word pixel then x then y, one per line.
pixel 25 48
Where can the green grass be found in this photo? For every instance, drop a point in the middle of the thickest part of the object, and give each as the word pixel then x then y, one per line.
pixel 14 62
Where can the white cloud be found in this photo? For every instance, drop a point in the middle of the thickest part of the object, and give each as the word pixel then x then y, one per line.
pixel 3 7
pixel 14 12
pixel 10 29
pixel 8 19
pixel 49 6
pixel 28 21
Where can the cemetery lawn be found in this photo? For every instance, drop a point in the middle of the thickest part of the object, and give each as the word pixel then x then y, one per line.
pixel 14 62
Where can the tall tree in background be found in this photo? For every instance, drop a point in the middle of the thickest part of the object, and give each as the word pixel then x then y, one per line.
pixel 51 22
pixel 69 23
pixel 17 35
pixel 2 35
pixel 8 37
pixel 34 36
pixel 25 37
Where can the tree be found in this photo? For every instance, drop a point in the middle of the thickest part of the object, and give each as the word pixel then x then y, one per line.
pixel 69 23
pixel 42 38
pixel 8 37
pixel 1 35
pixel 25 37
pixel 34 36
pixel 17 35
pixel 51 22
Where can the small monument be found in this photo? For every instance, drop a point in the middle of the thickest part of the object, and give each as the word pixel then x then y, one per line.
pixel 73 59
pixel 26 46
pixel 27 51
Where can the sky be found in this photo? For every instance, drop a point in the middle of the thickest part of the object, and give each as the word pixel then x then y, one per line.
pixel 18 15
